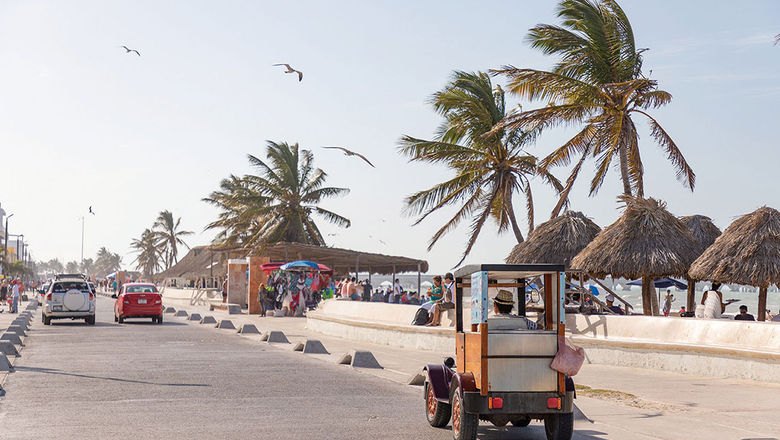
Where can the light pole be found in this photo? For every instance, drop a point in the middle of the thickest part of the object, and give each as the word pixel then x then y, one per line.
pixel 5 242
pixel 82 238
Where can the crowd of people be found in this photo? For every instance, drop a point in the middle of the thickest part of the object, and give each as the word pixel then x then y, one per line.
pixel 10 294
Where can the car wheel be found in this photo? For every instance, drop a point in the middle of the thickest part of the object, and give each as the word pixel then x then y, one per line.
pixel 121 319
pixel 115 318
pixel 464 425
pixel 559 426
pixel 46 320
pixel 159 319
pixel 90 320
pixel 522 422
pixel 437 413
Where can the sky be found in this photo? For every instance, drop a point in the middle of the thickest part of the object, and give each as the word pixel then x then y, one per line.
pixel 82 123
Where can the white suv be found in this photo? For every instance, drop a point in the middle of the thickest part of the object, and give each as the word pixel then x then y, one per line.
pixel 69 296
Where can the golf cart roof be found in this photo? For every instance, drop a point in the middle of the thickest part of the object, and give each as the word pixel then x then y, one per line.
pixel 505 271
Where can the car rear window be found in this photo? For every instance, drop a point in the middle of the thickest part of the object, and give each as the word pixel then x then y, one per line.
pixel 141 289
pixel 64 286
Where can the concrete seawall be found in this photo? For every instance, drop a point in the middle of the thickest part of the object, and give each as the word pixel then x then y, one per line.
pixel 720 348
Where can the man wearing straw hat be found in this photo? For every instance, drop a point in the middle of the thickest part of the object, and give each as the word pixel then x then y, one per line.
pixel 503 319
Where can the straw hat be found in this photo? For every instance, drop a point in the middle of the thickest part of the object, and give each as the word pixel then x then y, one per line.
pixel 505 298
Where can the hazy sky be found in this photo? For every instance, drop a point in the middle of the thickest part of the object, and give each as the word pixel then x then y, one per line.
pixel 82 123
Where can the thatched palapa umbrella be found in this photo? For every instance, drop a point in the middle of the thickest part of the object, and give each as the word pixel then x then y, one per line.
pixel 705 232
pixel 646 242
pixel 748 252
pixel 556 241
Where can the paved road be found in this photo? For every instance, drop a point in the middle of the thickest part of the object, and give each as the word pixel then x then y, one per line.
pixel 144 381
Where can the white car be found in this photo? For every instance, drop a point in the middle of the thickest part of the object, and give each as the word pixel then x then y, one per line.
pixel 69 296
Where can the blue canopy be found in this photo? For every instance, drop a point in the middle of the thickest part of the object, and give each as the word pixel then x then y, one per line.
pixel 662 283
pixel 593 290
pixel 300 264
pixel 531 287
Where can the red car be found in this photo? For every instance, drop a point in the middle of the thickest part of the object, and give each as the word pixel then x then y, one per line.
pixel 138 300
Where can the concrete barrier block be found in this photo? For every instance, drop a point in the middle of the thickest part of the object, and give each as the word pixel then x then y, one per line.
pixel 277 337
pixel 313 346
pixel 21 322
pixel 298 346
pixel 264 336
pixel 579 415
pixel 208 320
pixel 194 317
pixel 234 309
pixel 13 338
pixel 19 330
pixel 248 329
pixel 9 349
pixel 226 324
pixel 170 310
pixel 345 359
pixel 364 359
pixel 180 313
pixel 5 365
pixel 416 379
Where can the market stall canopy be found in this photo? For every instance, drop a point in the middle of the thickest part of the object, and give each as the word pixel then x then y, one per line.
pixel 662 283
pixel 556 241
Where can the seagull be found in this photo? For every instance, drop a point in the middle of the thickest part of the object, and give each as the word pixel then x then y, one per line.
pixel 351 153
pixel 90 211
pixel 291 70
pixel 128 50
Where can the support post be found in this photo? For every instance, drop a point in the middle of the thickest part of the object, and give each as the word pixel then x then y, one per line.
pixel 690 303
pixel 419 279
pixel 762 303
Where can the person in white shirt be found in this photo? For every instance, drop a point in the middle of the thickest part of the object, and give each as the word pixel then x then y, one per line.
pixel 397 290
pixel 15 297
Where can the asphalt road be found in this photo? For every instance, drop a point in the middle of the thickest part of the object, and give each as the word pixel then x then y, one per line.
pixel 142 381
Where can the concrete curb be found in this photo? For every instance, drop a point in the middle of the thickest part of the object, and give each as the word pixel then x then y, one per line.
pixel 13 338
pixel 194 317
pixel 180 313
pixel 17 330
pixel 170 310
pixel 277 337
pixel 208 320
pixel 5 365
pixel 248 329
pixel 226 324
pixel 9 349
pixel 364 359
pixel 314 346
pixel 23 323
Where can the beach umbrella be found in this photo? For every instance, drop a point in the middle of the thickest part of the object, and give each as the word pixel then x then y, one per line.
pixel 270 267
pixel 748 252
pixel 646 242
pixel 300 265
pixel 385 284
pixel 662 283
pixel 556 241
pixel 704 232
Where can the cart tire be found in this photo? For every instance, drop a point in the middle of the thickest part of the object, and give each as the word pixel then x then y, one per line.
pixel 437 413
pixel 559 426
pixel 464 425
pixel 521 423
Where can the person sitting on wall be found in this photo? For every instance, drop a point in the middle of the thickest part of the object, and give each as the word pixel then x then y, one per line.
pixel 611 305
pixel 503 319
pixel 445 302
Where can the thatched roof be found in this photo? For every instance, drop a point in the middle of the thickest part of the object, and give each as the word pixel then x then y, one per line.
pixel 647 240
pixel 703 229
pixel 556 241
pixel 199 261
pixel 748 252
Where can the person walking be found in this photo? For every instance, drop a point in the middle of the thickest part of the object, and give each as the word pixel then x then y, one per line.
pixel 15 297
pixel 668 302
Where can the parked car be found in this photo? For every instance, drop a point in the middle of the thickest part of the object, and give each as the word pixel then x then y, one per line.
pixel 138 300
pixel 69 296
pixel 42 292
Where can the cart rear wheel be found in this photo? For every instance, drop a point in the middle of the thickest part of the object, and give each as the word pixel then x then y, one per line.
pixel 464 425
pixel 437 413
pixel 522 422
pixel 559 426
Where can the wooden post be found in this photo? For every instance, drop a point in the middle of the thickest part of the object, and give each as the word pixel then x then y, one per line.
pixel 418 281
pixel 548 301
pixel 647 295
pixel 762 303
pixel 690 304
pixel 256 278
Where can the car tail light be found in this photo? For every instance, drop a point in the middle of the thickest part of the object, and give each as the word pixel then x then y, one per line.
pixel 48 296
pixel 495 402
pixel 554 403
pixel 91 296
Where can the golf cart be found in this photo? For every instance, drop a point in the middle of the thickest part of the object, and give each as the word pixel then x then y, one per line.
pixel 503 374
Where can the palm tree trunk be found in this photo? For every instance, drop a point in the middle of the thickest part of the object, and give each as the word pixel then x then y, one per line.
pixel 647 296
pixel 624 172
pixel 761 304
pixel 690 305
pixel 515 228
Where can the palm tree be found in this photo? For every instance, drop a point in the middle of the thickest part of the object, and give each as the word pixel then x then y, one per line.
pixel 169 237
pixel 278 204
pixel 86 266
pixel 597 82
pixel 107 262
pixel 72 267
pixel 149 252
pixel 490 167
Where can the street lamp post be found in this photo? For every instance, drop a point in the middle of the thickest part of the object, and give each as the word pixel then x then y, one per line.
pixel 5 242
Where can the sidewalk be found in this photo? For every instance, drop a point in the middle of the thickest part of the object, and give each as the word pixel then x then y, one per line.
pixel 623 402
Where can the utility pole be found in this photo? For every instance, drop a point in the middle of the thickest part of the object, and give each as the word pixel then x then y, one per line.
pixel 5 242
pixel 82 238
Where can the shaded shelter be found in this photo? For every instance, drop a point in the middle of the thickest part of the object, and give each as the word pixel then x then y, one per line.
pixel 748 252
pixel 704 232
pixel 556 241
pixel 646 242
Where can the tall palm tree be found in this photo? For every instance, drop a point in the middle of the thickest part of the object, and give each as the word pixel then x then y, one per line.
pixel 149 252
pixel 597 83
pixel 169 237
pixel 490 167
pixel 107 262
pixel 278 204
pixel 86 266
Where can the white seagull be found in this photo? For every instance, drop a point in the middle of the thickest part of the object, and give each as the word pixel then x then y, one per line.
pixel 128 50
pixel 291 70
pixel 351 153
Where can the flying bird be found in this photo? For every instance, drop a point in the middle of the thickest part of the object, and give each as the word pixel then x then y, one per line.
pixel 351 153
pixel 90 211
pixel 291 70
pixel 128 50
